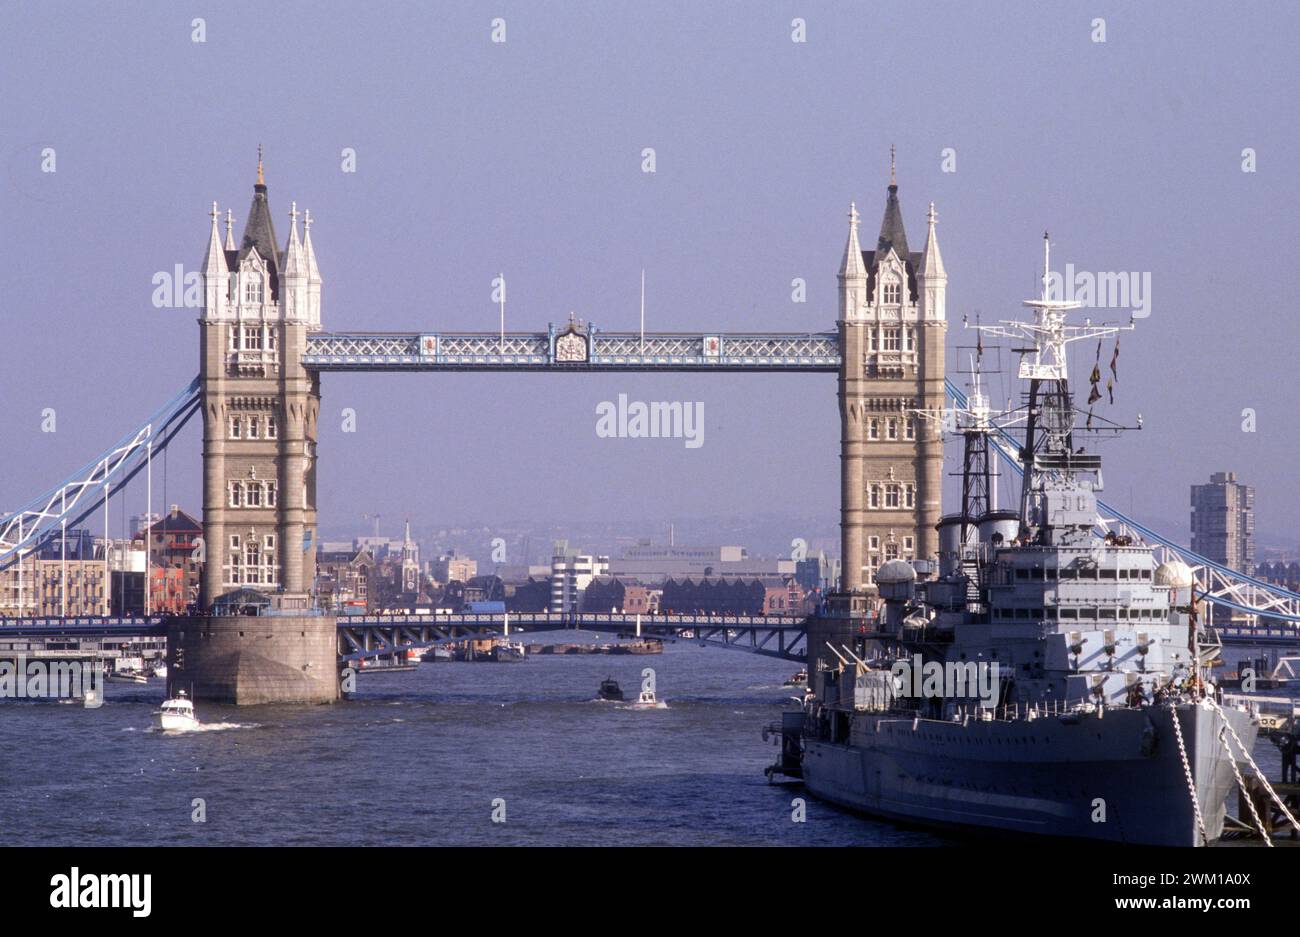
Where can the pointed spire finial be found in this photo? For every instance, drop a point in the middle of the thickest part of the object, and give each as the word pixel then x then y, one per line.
pixel 932 216
pixel 261 180
pixel 214 214
pixel 293 213
pixel 306 219
pixel 892 178
pixel 853 214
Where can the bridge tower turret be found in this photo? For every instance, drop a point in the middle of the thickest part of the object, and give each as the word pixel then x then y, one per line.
pixel 892 326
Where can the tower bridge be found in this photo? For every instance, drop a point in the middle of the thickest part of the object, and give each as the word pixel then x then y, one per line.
pixel 263 352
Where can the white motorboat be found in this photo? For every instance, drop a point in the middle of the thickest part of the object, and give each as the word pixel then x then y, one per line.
pixel 177 714
pixel 647 700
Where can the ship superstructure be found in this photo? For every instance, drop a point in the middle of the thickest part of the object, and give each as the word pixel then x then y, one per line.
pixel 1043 679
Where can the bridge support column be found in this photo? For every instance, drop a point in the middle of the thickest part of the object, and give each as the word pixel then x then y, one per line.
pixel 852 400
pixel 252 659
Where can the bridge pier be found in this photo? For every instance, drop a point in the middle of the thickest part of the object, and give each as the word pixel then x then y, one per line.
pixel 253 659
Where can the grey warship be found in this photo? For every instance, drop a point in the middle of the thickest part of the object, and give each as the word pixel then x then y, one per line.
pixel 1044 677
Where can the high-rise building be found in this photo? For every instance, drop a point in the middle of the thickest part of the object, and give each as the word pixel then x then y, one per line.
pixel 892 325
pixel 1223 522
pixel 571 573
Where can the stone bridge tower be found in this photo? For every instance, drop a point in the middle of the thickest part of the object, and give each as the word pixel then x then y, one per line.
pixel 892 326
pixel 260 407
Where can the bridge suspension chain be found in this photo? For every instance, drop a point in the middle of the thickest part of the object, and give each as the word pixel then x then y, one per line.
pixel 83 491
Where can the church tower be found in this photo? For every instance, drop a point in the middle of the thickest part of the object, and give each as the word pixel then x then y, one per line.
pixel 260 407
pixel 410 563
pixel 892 327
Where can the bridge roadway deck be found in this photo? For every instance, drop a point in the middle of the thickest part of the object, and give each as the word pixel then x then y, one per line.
pixel 371 635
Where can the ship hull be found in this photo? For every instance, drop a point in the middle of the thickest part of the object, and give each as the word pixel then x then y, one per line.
pixel 1116 779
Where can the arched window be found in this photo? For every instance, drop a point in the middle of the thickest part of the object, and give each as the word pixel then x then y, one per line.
pixel 873 428
pixel 252 561
pixel 875 496
pixel 271 428
pixel 236 427
pixel 270 493
pixel 891 429
pixel 253 288
pixel 236 498
pixel 892 292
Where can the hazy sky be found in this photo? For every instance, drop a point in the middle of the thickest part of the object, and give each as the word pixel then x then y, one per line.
pixel 474 157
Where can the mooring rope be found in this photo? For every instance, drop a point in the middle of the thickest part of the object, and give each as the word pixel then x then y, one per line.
pixel 1187 772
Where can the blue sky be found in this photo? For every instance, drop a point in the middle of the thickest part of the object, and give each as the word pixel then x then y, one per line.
pixel 474 157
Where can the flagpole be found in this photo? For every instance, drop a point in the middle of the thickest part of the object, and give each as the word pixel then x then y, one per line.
pixel 643 310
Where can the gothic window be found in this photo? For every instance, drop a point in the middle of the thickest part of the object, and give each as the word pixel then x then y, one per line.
pixel 909 496
pixel 891 292
pixel 871 340
pixel 891 551
pixel 254 495
pixel 270 493
pixel 253 288
pixel 232 338
pixel 891 496
pixel 270 339
pixel 236 427
pixel 252 561
pixel 236 494
pixel 909 429
pixel 234 541
pixel 908 544
pixel 254 427
pixel 891 340
pixel 873 428
pixel 875 496
pixel 891 429
pixel 873 543
pixel 271 428
pixel 252 337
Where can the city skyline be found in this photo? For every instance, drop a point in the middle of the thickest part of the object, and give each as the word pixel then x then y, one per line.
pixel 415 236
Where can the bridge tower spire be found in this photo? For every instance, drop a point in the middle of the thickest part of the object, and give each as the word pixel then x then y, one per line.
pixel 892 326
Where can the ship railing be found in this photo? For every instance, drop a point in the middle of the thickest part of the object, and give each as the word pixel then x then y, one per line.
pixel 1269 705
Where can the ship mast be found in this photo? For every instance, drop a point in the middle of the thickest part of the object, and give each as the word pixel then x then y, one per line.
pixel 1048 450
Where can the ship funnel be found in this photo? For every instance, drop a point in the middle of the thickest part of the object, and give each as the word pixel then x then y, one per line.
pixel 998 528
pixel 950 545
